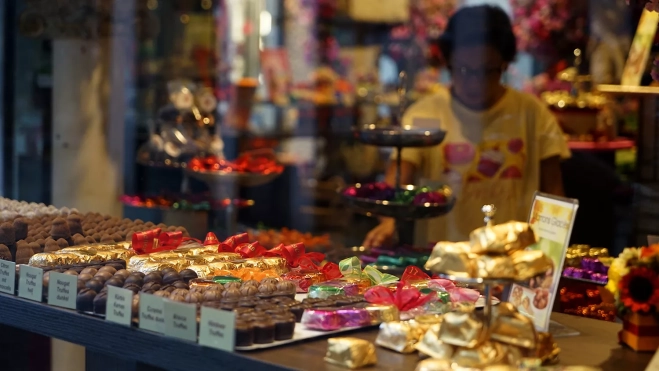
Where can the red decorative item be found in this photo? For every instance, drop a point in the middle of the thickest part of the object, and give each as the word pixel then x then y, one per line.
pixel 231 243
pixel 404 298
pixel 156 240
pixel 250 250
pixel 296 256
pixel 331 271
pixel 413 273
pixel 211 239
pixel 255 162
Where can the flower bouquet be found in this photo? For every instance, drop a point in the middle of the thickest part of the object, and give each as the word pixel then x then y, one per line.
pixel 634 282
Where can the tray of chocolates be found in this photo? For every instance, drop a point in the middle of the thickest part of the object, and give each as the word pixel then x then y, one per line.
pixel 409 202
pixel 396 136
pixel 251 169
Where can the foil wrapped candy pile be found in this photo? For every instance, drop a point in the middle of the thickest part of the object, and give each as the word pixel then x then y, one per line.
pixel 465 339
pixel 83 254
pixel 585 262
pixel 493 252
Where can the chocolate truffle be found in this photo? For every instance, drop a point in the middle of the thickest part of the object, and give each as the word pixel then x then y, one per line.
pixel 114 281
pixel 7 234
pixel 170 277
pixel 71 272
pixel 129 236
pixel 181 285
pixel 90 239
pixel 107 239
pixel 5 254
pixel 36 248
pixel 284 326
pixel 51 246
pixel 269 281
pixel 267 288
pixel 62 243
pixel 103 275
pixel 85 277
pixel 135 279
pixel 100 302
pixel 194 297
pixel 188 274
pixel 212 295
pixel 89 270
pixel 232 285
pixel 161 293
pixel 132 287
pixel 168 288
pixel 139 274
pixel 118 264
pixel 60 229
pixel 23 255
pixel 244 334
pixel 74 223
pixel 94 284
pixel 154 286
pixel 264 332
pixel 231 293
pixel 178 295
pixel 80 285
pixel 79 240
pixel 107 268
pixel 85 300
pixel 166 270
pixel 249 290
pixel 20 229
pixel 117 237
pixel 254 283
pixel 123 273
pixel 153 277
pixel 97 237
pixel 135 305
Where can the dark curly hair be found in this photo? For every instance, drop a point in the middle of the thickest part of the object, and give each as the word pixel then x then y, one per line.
pixel 479 25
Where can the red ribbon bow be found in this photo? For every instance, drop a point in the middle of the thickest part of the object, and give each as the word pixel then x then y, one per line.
pixel 250 250
pixel 331 271
pixel 231 243
pixel 405 298
pixel 211 239
pixel 296 256
pixel 156 240
pixel 412 274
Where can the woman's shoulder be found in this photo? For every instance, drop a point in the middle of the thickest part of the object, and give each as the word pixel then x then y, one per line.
pixel 431 102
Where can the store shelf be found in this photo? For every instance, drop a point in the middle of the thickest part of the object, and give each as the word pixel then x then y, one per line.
pixel 121 342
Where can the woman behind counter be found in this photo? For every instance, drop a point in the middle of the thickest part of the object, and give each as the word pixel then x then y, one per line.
pixel 501 146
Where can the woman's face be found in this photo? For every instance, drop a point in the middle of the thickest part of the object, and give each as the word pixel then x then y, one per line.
pixel 476 72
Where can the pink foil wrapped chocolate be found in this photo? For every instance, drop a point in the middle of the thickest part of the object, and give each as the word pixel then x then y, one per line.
pixel 330 319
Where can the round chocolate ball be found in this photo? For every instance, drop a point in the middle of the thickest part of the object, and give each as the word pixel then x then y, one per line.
pixel 234 285
pixel 89 270
pixel 194 297
pixel 85 300
pixel 249 290
pixel 154 286
pixel 132 287
pixel 116 265
pixel 103 275
pixel 166 270
pixel 94 284
pixel 188 274
pixel 153 277
pixel 79 240
pixel 138 274
pixel 114 281
pixel 51 246
pixel 81 285
pixel 62 243
pixel 170 278
pixel 181 285
pixel 212 295
pixel 5 254
pixel 107 268
pixel 71 272
pixel 85 277
pixel 100 302
pixel 36 248
pixel 135 279
pixel 107 239
pixel 90 239
pixel 162 293
pixel 122 272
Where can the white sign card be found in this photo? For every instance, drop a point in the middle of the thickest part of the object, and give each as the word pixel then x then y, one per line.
pixel 30 282
pixel 152 313
pixel 7 277
pixel 217 329
pixel 552 219
pixel 181 320
pixel 118 308
pixel 62 290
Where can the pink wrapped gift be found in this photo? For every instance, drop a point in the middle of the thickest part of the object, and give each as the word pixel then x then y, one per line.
pixel 329 319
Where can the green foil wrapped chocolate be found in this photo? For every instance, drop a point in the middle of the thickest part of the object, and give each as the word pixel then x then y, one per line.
pixel 225 279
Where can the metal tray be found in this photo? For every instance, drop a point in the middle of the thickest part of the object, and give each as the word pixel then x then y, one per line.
pixel 395 136
pixel 398 210
pixel 231 178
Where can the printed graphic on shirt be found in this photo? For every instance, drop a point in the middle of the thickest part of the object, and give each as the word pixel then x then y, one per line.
pixel 490 160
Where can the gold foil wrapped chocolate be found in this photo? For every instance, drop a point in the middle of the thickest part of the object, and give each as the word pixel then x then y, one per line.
pixel 487 353
pixel 44 260
pixel 72 258
pixel 279 265
pixel 257 263
pixel 125 245
pixel 198 250
pixel 124 254
pixel 511 327
pixel 383 313
pixel 432 364
pixel 502 238
pixel 219 257
pixel 489 266
pixel 430 344
pixel 462 329
pixel 162 255
pixel 153 266
pixel 108 255
pixel 222 266
pixel 546 349
pixel 136 262
pixel 529 264
pixel 399 336
pixel 76 249
pixel 202 270
pixel 350 352
pixel 451 258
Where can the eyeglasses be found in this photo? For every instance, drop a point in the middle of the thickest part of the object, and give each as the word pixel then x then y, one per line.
pixel 480 73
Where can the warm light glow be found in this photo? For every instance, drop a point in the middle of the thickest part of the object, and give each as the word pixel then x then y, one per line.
pixel 185 19
pixel 206 4
pixel 152 4
pixel 266 23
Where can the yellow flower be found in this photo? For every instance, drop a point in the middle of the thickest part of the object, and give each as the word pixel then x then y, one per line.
pixel 618 268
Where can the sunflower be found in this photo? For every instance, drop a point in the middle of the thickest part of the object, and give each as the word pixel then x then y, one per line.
pixel 639 290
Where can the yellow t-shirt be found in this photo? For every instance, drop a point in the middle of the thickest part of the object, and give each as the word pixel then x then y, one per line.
pixel 487 157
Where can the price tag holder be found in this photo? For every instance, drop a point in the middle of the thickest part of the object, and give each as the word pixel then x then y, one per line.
pixel 30 283
pixel 217 329
pixel 8 277
pixel 152 313
pixel 181 320
pixel 62 290
pixel 118 308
